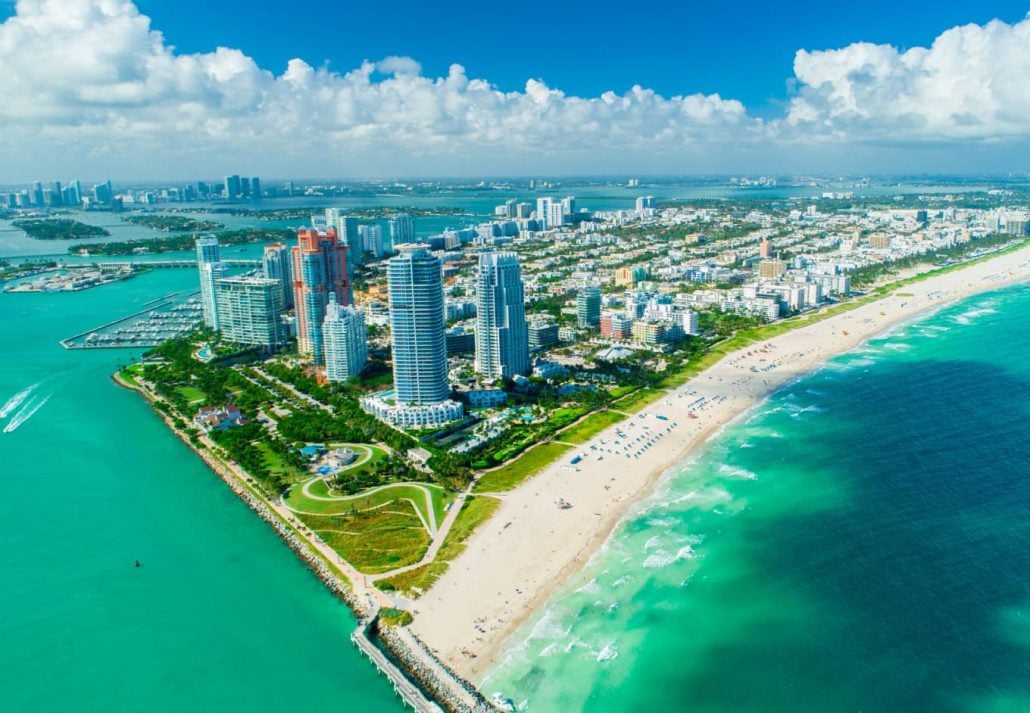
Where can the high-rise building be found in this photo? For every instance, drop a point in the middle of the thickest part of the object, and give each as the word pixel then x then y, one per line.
pixel 103 193
pixel 689 321
pixel 543 212
pixel 523 210
pixel 588 306
pixel 276 264
pixel 255 187
pixel 37 194
pixel 765 249
pixel 233 187
pixel 645 206
pixel 319 267
pixel 415 280
pixel 211 269
pixel 245 187
pixel 346 341
pixel 371 239
pixel 250 310
pixel 542 334
pixel 402 230
pixel 502 337
pixel 347 230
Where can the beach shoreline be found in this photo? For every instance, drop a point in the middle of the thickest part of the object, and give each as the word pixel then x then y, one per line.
pixel 516 561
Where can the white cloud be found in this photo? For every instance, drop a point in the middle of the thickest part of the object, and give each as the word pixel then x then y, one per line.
pixel 88 86
pixel 972 83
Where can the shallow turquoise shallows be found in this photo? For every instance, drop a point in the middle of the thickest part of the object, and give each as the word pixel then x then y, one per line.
pixel 220 616
pixel 858 543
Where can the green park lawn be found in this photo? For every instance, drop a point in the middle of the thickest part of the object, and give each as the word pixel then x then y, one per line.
pixel 590 427
pixel 373 541
pixel 529 463
pixel 476 511
pixel 371 498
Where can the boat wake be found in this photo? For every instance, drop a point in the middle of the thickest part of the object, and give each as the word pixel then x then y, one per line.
pixel 16 400
pixel 27 411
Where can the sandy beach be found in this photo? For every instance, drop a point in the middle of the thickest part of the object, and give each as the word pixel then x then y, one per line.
pixel 514 562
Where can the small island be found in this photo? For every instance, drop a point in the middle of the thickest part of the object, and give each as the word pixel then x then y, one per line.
pixel 173 223
pixel 59 229
pixel 181 242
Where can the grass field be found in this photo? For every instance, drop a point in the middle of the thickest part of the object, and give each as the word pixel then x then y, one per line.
pixel 638 400
pixel 192 394
pixel 477 510
pixel 276 466
pixel 529 463
pixel 374 497
pixel 590 427
pixel 374 541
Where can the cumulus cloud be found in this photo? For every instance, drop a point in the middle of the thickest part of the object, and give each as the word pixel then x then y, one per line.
pixel 91 83
pixel 97 72
pixel 970 84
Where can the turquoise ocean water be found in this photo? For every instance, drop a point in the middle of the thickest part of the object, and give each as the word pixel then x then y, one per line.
pixel 859 542
pixel 221 616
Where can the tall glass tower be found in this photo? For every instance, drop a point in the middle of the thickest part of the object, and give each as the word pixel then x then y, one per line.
pixel 502 337
pixel 417 324
pixel 211 268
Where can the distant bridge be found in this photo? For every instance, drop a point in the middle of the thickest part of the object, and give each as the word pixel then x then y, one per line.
pixel 232 262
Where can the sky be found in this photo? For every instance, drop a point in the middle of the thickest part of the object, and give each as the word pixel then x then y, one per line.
pixel 185 89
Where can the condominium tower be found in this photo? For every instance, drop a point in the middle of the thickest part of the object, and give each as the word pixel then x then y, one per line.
pixel 276 265
pixel 502 337
pixel 250 311
pixel 415 280
pixel 211 269
pixel 346 341
pixel 319 267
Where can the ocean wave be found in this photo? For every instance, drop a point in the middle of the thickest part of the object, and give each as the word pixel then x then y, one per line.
pixel 550 628
pixel 608 653
pixel 663 558
pixel 897 346
pixel 591 587
pixel 968 316
pixel 664 521
pixel 652 542
pixel 730 471
pixel 624 579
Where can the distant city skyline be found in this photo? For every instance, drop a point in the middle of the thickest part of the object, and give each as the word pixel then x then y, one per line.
pixel 742 89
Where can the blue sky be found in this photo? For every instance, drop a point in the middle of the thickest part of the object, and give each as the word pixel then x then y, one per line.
pixel 741 50
pixel 154 88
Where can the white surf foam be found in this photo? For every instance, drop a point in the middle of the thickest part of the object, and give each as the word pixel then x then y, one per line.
pixel 730 471
pixel 608 653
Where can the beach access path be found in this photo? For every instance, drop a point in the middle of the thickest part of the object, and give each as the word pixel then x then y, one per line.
pixel 534 541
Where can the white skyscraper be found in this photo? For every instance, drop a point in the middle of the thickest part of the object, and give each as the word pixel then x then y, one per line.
pixel 543 212
pixel 502 337
pixel 402 230
pixel 690 323
pixel 210 268
pixel 345 339
pixel 645 206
